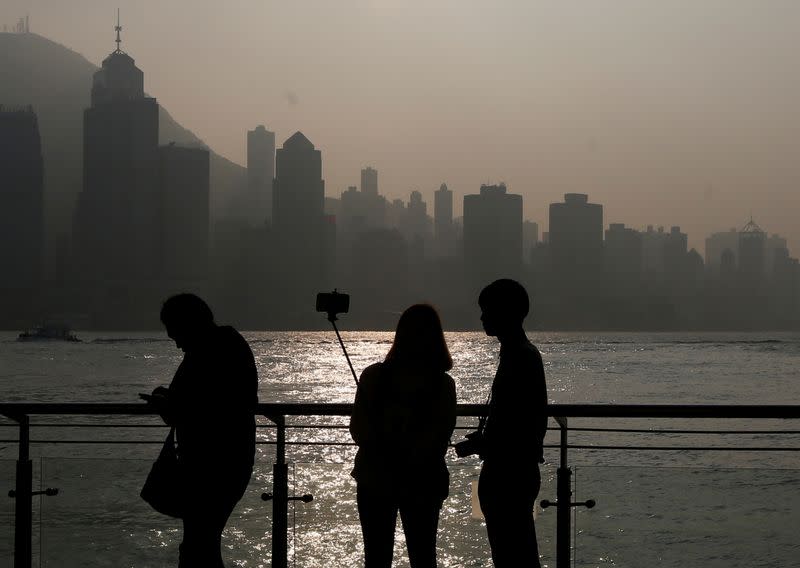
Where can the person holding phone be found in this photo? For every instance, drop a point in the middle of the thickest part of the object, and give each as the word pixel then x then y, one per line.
pixel 403 416
pixel 211 402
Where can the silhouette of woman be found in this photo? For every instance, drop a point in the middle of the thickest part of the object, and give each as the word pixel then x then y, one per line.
pixel 403 417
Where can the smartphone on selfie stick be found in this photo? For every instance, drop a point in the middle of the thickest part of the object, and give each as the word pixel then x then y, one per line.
pixel 334 303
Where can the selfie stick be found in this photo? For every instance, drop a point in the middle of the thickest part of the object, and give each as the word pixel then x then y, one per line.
pixel 332 318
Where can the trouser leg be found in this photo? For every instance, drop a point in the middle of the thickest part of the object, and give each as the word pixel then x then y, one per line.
pixel 420 520
pixel 202 533
pixel 202 536
pixel 507 498
pixel 378 515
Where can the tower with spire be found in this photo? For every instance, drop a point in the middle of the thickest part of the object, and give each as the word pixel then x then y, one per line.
pixel 118 79
pixel 752 255
pixel 115 231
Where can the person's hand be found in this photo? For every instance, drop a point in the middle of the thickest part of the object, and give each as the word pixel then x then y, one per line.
pixel 159 400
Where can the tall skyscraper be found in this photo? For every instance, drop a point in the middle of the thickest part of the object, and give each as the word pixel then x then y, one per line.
pixel 492 235
pixel 260 173
pixel 119 205
pixel 299 191
pixel 21 213
pixel 416 226
pixel 576 242
pixel 369 181
pixel 443 229
pixel 298 208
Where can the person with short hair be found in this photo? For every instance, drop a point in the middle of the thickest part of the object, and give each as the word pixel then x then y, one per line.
pixel 513 435
pixel 211 402
pixel 403 416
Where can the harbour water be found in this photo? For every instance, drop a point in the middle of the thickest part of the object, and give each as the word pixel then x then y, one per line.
pixel 655 508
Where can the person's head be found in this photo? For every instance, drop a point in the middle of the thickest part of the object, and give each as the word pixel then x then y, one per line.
pixel 504 306
pixel 419 340
pixel 188 320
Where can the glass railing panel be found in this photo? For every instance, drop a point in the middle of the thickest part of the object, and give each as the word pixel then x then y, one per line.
pixel 8 473
pixel 327 530
pixel 676 517
pixel 99 520
pixel 7 477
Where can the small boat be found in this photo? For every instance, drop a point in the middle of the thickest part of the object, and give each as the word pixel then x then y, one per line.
pixel 49 332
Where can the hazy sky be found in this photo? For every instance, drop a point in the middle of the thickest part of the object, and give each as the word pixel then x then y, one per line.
pixel 668 112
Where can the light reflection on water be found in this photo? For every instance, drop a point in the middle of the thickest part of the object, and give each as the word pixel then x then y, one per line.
pixel 99 513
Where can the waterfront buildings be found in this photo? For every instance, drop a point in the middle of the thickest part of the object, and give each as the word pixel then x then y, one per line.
pixel 118 206
pixel 298 210
pixel 141 221
pixel 576 243
pixel 492 235
pixel 21 213
pixel 443 229
pixel 260 173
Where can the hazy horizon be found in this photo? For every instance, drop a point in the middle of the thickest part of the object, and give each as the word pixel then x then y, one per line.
pixel 680 113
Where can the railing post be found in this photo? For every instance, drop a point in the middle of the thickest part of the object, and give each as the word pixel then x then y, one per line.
pixel 23 514
pixel 280 499
pixel 563 499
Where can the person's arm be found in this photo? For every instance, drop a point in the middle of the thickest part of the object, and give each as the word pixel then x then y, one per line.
pixel 448 422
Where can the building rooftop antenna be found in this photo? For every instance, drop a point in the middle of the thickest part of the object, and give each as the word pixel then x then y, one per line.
pixel 118 28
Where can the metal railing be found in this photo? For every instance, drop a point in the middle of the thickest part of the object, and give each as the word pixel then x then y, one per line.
pixel 278 413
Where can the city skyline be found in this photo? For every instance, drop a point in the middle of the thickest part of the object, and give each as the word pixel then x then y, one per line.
pixel 692 133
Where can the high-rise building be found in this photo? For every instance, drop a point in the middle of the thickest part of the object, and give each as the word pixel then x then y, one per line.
pixel 298 210
pixel 676 249
pixel 530 238
pixel 369 181
pixel 260 173
pixel 417 225
pixel 184 179
pixel 774 247
pixel 119 204
pixel 443 229
pixel 492 235
pixel 365 209
pixel 299 191
pixel 576 242
pixel 718 243
pixel 21 211
pixel 752 256
pixel 623 255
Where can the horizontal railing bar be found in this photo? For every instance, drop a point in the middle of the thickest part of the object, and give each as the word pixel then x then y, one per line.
pixel 12 409
pixel 549 446
pixel 686 448
pixel 676 431
pixel 345 426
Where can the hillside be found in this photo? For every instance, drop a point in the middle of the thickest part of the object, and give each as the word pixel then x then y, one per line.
pixel 56 81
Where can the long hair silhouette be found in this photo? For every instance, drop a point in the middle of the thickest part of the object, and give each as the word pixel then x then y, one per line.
pixel 419 340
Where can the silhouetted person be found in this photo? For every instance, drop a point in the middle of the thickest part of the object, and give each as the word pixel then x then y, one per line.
pixel 514 429
pixel 403 417
pixel 211 402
